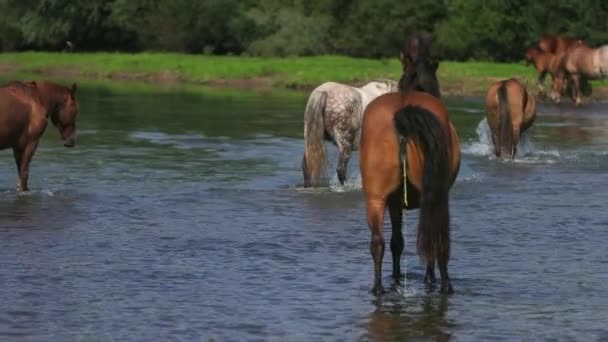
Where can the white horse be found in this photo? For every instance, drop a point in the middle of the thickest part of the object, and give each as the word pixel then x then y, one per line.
pixel 334 112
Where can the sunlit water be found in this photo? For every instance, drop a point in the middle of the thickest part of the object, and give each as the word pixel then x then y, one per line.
pixel 181 216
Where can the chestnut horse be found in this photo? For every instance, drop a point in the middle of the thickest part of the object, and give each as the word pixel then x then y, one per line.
pixel 334 112
pixel 544 62
pixel 510 110
pixel 579 64
pixel 24 111
pixel 411 128
pixel 556 44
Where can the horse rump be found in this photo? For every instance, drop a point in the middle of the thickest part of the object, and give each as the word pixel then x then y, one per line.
pixel 420 126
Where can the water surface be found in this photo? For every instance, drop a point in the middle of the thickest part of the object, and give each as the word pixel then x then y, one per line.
pixel 180 216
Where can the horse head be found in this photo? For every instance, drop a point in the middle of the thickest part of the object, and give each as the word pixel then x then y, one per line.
pixel 64 115
pixel 421 76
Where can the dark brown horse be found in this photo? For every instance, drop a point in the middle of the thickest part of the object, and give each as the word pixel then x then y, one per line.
pixel 414 127
pixel 579 64
pixel 510 110
pixel 24 111
pixel 415 56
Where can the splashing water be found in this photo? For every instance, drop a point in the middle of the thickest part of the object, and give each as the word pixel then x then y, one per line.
pixel 527 152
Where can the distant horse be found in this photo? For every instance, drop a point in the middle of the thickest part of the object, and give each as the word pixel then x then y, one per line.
pixel 510 110
pixel 556 44
pixel 24 111
pixel 411 129
pixel 334 112
pixel 544 62
pixel 579 64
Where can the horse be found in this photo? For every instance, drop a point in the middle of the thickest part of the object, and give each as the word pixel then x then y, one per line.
pixel 417 47
pixel 544 62
pixel 24 111
pixel 579 64
pixel 334 112
pixel 409 158
pixel 510 110
pixel 556 44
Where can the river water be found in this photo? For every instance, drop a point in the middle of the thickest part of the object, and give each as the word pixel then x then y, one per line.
pixel 180 216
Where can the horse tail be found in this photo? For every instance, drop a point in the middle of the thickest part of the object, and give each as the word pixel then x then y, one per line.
pixel 314 160
pixel 422 127
pixel 505 129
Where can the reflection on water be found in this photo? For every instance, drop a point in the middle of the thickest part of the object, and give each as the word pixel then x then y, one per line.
pixel 181 215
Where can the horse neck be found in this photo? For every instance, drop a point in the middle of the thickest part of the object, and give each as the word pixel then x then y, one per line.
pixel 50 98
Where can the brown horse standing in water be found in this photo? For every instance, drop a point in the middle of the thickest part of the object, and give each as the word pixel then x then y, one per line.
pixel 579 64
pixel 414 127
pixel 510 110
pixel 24 111
pixel 544 62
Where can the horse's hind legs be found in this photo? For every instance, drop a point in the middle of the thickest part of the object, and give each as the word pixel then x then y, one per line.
pixel 375 221
pixel 345 153
pixel 446 284
pixel 395 209
pixel 429 277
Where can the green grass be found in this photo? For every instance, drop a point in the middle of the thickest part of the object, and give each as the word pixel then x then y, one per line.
pixel 297 72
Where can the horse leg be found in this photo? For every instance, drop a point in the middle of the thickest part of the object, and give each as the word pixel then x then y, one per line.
pixel 446 284
pixel 345 150
pixel 23 157
pixel 576 79
pixel 375 221
pixel 395 209
pixel 305 172
pixel 541 81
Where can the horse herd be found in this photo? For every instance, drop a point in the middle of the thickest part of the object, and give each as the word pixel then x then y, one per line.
pixel 409 148
pixel 569 61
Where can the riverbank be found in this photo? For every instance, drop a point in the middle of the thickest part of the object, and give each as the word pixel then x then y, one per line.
pixel 300 73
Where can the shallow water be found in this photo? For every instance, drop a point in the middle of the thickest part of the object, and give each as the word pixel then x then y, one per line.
pixel 180 215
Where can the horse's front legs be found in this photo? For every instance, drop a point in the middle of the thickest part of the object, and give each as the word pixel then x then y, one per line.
pixel 576 79
pixel 375 221
pixel 23 157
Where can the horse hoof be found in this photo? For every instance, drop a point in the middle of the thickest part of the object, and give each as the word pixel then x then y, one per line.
pixel 446 289
pixel 377 290
pixel 398 276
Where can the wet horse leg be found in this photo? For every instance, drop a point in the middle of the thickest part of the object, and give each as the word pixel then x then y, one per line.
pixel 375 221
pixel 576 90
pixel 345 149
pixel 23 157
pixel 446 284
pixel 395 209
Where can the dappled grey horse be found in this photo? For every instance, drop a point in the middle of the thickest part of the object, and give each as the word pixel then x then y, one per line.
pixel 334 112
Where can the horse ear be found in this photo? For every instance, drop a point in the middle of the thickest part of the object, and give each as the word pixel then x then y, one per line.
pixel 73 89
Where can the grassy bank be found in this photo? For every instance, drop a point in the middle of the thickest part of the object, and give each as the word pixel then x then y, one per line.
pixel 456 78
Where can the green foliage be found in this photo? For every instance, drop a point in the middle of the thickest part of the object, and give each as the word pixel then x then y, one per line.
pixel 462 29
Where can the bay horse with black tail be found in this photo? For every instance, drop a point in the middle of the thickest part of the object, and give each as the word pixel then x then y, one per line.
pixel 579 64
pixel 544 62
pixel 25 108
pixel 510 110
pixel 334 112
pixel 410 150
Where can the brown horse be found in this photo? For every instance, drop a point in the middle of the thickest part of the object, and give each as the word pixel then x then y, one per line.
pixel 414 127
pixel 510 110
pixel 556 44
pixel 544 62
pixel 24 111
pixel 415 50
pixel 579 64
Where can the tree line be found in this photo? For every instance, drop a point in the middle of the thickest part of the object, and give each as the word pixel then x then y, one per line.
pixel 497 30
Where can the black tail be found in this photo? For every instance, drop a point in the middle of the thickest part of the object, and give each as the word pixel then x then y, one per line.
pixel 505 138
pixel 421 126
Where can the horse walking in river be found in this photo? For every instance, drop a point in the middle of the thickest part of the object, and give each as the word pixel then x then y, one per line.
pixel 579 64
pixel 510 110
pixel 25 108
pixel 334 112
pixel 410 157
